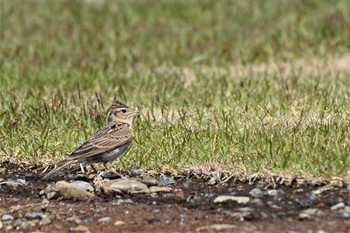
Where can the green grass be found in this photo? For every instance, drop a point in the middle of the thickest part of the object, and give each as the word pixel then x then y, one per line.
pixel 244 86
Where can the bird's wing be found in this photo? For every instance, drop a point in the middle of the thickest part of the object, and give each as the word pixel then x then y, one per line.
pixel 103 141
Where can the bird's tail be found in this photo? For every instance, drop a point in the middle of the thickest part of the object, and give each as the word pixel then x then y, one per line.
pixel 60 166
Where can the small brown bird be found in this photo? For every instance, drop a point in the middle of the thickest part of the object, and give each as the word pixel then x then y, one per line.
pixel 106 144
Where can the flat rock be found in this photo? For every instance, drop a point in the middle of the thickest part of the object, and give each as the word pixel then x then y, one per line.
pixel 7 217
pixel 81 229
pixel 35 215
pixel 70 191
pixel 215 227
pixel 119 223
pixel 238 199
pixel 127 186
pixel 310 213
pixel 340 205
pixel 105 219
pixel 166 180
pixel 156 189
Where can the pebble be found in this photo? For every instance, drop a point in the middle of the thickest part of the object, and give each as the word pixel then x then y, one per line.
pixel 338 206
pixel 20 223
pixel 7 217
pixel 35 215
pixel 309 213
pixel 122 201
pixel 14 183
pixel 69 191
pixel 45 221
pixel 15 207
pixel 256 192
pixel 105 219
pixel 1 225
pixel 272 192
pixel 213 181
pixel 81 229
pixel 119 223
pixel 257 201
pixel 215 227
pixel 128 186
pixel 238 199
pixel 345 213
pixel 136 171
pixel 84 185
pixel 156 189
pixel 166 180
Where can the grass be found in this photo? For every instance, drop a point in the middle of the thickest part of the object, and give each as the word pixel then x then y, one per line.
pixel 241 86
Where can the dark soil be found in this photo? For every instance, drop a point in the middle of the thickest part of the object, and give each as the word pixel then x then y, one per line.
pixel 187 208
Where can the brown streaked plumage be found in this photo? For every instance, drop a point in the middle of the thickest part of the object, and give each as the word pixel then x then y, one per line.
pixel 106 144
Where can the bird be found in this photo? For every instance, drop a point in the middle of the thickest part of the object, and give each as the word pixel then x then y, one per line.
pixel 106 144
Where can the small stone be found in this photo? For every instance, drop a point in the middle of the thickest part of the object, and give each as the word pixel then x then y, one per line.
pixel 340 205
pixel 156 189
pixel 272 192
pixel 238 199
pixel 119 223
pixel 21 181
pixel 215 227
pixel 14 183
pixel 128 186
pixel 303 216
pixel 136 171
pixel 15 207
pixel 52 195
pixel 320 231
pixel 345 213
pixel 70 191
pixel 122 201
pixel 7 217
pixel 166 180
pixel 81 229
pixel 1 225
pixel 42 192
pixel 45 201
pixel 105 219
pixel 20 223
pixel 212 181
pixel 45 221
pixel 257 201
pixel 256 193
pixel 35 215
pixel 312 212
pixel 84 185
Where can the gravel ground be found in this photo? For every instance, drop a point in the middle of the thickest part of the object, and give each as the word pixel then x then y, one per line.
pixel 166 204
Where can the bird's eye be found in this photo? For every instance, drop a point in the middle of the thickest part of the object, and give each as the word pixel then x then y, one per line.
pixel 123 110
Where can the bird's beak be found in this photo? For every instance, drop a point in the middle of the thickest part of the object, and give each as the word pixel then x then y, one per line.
pixel 136 112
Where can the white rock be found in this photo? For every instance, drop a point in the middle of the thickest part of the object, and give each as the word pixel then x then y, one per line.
pixel 256 193
pixel 215 227
pixel 338 206
pixel 238 199
pixel 105 219
pixel 119 223
pixel 127 186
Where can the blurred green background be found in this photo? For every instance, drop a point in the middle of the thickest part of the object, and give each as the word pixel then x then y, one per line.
pixel 241 86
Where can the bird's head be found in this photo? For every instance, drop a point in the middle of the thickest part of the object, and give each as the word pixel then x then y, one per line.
pixel 120 112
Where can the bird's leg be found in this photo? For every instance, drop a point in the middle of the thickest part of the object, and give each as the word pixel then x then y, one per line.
pixel 82 169
pixel 108 167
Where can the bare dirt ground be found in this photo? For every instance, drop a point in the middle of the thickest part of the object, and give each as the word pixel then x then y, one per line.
pixel 189 207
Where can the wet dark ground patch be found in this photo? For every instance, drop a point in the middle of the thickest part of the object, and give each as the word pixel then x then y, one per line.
pixel 188 208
